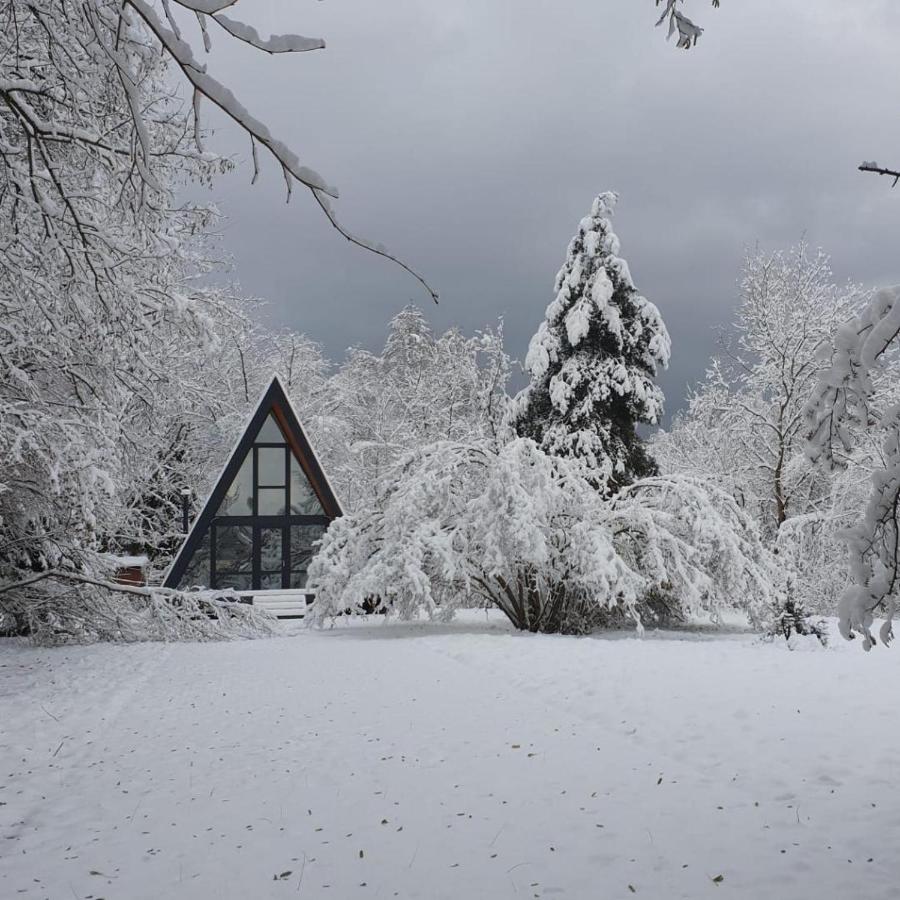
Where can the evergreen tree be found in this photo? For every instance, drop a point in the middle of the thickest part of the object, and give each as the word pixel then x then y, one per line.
pixel 593 362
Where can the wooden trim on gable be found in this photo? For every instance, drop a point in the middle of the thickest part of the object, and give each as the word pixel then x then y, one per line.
pixel 304 454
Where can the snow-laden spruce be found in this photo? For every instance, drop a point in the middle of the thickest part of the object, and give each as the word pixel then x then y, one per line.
pixel 593 361
pixel 514 528
pixel 846 403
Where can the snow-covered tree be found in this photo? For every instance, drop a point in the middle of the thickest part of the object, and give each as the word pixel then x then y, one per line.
pixel 422 388
pixel 850 399
pixel 79 81
pixel 744 429
pixel 593 361
pixel 107 319
pixel 515 528
pixel 753 398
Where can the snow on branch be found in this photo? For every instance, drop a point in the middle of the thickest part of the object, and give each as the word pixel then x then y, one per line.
pixel 223 98
pixel 80 608
pixel 875 169
pixel 688 32
pixel 87 80
pixel 277 43
pixel 206 7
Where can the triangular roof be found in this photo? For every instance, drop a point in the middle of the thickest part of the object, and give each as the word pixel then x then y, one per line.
pixel 276 402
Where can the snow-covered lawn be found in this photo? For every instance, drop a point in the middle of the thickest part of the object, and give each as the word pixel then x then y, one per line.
pixel 458 761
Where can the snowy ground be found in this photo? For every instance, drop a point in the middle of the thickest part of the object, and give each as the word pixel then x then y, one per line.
pixel 452 761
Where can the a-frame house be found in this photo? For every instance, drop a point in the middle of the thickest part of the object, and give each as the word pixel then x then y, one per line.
pixel 272 502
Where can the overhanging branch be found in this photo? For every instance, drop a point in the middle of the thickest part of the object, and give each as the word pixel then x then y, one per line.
pixel 875 169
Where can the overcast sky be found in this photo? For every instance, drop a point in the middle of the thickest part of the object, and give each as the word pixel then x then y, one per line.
pixel 470 137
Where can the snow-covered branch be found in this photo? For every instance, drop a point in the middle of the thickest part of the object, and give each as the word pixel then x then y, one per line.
pixel 88 84
pixel 875 169
pixel 688 32
pixel 276 43
pixel 82 609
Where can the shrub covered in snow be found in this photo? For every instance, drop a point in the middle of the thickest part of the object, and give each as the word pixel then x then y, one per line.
pixel 518 529
pixel 787 616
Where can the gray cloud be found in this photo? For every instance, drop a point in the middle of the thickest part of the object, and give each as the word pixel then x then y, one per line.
pixel 471 137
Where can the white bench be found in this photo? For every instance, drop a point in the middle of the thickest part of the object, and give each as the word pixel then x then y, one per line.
pixel 283 604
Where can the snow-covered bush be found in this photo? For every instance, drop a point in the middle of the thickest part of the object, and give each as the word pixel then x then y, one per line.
pixel 787 616
pixel 691 542
pixel 593 361
pixel 520 530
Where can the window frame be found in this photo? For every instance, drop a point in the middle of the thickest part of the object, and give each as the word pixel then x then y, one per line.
pixel 258 523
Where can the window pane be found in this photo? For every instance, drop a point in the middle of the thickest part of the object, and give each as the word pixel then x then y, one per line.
pixel 270 549
pixel 271 501
pixel 271 466
pixel 197 572
pixel 298 579
pixel 302 551
pixel 234 549
pixel 304 501
pixel 270 433
pixel 239 581
pixel 238 501
pixel 270 581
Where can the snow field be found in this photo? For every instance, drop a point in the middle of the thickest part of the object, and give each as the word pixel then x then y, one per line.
pixel 448 761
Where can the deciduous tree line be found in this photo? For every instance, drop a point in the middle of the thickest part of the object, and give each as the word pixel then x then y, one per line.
pixel 124 370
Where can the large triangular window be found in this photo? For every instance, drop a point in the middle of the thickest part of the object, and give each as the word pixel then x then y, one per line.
pixel 272 504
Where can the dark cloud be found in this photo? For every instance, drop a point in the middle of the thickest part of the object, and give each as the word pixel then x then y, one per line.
pixel 471 137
